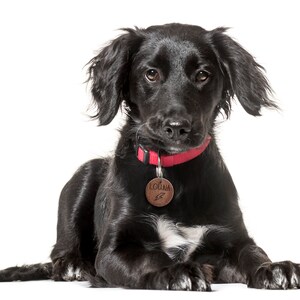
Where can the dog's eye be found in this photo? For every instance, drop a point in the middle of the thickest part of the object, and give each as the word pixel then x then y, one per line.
pixel 152 75
pixel 202 76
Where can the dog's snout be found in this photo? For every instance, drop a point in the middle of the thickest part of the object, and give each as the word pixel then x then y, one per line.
pixel 176 129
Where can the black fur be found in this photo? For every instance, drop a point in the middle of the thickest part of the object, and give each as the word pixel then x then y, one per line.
pixel 174 80
pixel 25 273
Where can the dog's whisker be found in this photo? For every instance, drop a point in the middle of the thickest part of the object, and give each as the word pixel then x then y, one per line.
pixel 138 131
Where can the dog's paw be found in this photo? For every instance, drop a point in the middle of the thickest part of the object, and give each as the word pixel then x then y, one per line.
pixel 72 274
pixel 184 277
pixel 281 275
pixel 64 271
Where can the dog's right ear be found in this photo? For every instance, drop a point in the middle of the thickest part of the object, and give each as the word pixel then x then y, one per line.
pixel 109 73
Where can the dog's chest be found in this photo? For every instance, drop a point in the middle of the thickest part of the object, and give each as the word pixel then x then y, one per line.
pixel 179 241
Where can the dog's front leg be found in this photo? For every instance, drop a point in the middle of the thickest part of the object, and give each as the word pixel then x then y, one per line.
pixel 263 274
pixel 135 267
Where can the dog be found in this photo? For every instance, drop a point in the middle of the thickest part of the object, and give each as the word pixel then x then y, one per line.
pixel 163 212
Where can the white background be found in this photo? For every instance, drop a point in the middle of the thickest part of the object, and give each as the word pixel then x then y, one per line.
pixel 45 132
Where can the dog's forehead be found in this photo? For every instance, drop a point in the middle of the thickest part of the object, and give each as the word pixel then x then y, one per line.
pixel 175 49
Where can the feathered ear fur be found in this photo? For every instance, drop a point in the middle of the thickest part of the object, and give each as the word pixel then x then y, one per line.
pixel 244 76
pixel 109 73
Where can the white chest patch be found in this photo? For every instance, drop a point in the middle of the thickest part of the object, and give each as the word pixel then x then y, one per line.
pixel 179 241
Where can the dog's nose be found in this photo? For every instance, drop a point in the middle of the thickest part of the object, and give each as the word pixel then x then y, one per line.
pixel 176 129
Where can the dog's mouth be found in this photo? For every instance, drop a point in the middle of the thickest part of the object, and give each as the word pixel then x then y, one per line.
pixel 154 140
pixel 172 133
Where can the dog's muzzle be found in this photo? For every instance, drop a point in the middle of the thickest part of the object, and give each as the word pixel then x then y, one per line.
pixel 176 129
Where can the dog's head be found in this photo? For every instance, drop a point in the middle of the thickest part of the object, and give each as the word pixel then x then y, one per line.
pixel 175 79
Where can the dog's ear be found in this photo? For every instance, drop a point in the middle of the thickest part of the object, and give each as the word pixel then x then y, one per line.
pixel 109 73
pixel 244 77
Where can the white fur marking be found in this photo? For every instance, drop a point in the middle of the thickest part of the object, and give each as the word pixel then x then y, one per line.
pixel 182 283
pixel 176 236
pixel 279 278
pixel 294 280
pixel 72 274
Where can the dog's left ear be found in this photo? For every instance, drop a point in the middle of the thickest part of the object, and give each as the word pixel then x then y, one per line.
pixel 244 77
pixel 109 73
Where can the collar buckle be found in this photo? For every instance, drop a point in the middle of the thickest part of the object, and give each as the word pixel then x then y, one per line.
pixel 143 154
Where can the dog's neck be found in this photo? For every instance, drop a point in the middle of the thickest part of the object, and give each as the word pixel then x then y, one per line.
pixel 169 160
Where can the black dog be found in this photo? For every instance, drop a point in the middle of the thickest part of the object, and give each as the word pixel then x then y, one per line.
pixel 163 212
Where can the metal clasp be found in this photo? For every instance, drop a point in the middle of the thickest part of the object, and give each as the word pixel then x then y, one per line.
pixel 159 172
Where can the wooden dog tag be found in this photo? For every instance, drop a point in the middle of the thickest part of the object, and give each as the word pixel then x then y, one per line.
pixel 159 192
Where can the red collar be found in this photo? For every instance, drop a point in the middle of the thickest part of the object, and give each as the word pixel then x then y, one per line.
pixel 150 157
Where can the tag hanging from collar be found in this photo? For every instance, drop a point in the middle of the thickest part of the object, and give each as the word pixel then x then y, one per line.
pixel 159 191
